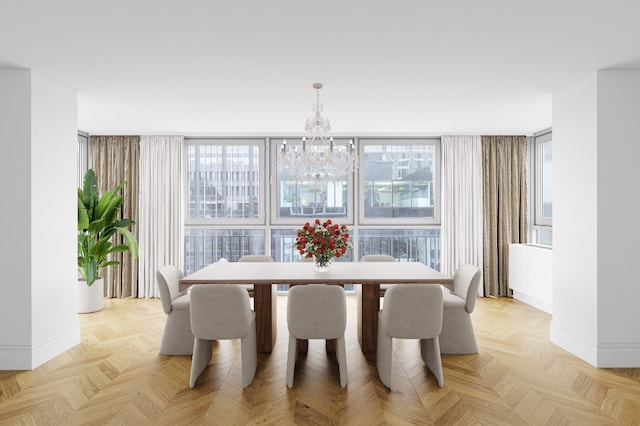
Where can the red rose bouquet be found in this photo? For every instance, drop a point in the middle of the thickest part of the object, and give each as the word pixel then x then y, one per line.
pixel 322 241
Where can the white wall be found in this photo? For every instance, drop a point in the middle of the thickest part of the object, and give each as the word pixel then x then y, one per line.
pixel 38 318
pixel 53 218
pixel 618 218
pixel 594 298
pixel 15 258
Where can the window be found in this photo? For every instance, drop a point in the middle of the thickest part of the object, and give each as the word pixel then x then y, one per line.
pixel 230 212
pixel 83 156
pixel 399 181
pixel 204 246
pixel 297 202
pixel 223 181
pixel 404 245
pixel 543 188
pixel 224 200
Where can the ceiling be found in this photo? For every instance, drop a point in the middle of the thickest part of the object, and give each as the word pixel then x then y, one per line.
pixel 248 66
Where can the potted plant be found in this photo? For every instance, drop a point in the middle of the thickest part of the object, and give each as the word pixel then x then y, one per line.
pixel 98 222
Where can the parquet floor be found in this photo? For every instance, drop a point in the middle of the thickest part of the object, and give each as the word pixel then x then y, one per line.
pixel 116 377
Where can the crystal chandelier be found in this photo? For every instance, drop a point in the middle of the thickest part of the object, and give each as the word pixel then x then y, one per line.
pixel 316 161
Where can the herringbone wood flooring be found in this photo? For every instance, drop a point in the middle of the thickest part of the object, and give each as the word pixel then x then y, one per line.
pixel 116 377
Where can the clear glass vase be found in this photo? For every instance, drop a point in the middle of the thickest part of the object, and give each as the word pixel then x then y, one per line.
pixel 322 263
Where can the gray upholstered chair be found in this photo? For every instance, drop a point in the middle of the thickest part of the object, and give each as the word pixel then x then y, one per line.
pixel 220 312
pixel 457 335
pixel 379 258
pixel 177 338
pixel 317 311
pixel 411 311
pixel 253 258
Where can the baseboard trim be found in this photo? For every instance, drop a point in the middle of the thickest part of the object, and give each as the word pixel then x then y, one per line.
pixel 573 343
pixel 600 355
pixel 532 301
pixel 625 355
pixel 28 357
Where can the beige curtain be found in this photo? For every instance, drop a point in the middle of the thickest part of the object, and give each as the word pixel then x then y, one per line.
pixel 115 159
pixel 504 167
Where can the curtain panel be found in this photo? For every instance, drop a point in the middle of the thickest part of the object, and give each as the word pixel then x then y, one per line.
pixel 116 159
pixel 462 220
pixel 161 208
pixel 504 166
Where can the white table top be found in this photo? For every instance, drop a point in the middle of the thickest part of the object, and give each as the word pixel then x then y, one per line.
pixel 304 273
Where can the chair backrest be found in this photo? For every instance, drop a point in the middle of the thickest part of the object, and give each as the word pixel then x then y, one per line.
pixel 255 258
pixel 466 280
pixel 316 311
pixel 168 279
pixel 377 258
pixel 220 311
pixel 413 311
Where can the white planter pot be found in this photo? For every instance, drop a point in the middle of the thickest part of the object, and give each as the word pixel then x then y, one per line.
pixel 90 299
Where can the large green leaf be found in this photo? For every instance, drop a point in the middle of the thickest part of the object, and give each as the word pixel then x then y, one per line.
pixel 131 241
pixel 111 214
pixel 97 223
pixel 119 249
pixel 123 223
pixel 83 216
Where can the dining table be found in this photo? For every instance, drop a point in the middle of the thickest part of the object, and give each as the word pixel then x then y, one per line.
pixel 265 276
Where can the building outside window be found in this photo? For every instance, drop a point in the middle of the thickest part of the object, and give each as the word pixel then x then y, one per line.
pixel 297 201
pixel 224 200
pixel 398 181
pixel 223 180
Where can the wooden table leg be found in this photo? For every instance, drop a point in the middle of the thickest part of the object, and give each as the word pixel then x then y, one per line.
pixel 368 307
pixel 265 306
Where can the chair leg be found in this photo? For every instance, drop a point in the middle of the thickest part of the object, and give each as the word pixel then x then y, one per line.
pixel 249 354
pixel 341 355
pixel 291 360
pixel 430 350
pixel 200 359
pixel 384 354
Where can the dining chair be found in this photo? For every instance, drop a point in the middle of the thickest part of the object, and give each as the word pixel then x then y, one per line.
pixel 317 311
pixel 222 312
pixel 457 335
pixel 177 338
pixel 253 258
pixel 379 258
pixel 411 311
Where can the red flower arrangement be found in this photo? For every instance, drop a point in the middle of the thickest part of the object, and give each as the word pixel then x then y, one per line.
pixel 323 241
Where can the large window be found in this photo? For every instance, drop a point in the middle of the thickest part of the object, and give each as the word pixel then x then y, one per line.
pixel 238 201
pixel 399 181
pixel 224 212
pixel 543 188
pixel 224 180
pixel 296 202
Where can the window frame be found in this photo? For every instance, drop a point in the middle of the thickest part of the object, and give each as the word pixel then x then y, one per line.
pixel 274 219
pixel 406 221
pixel 262 176
pixel 539 139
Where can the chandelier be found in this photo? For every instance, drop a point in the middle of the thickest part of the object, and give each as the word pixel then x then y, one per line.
pixel 316 160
